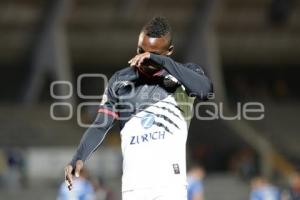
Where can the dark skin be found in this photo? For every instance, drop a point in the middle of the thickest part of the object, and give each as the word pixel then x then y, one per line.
pixel 146 45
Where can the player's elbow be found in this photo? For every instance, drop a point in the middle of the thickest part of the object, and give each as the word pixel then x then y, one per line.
pixel 209 90
pixel 205 91
pixel 103 121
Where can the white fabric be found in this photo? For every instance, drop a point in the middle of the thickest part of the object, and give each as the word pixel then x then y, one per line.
pixel 150 154
pixel 164 193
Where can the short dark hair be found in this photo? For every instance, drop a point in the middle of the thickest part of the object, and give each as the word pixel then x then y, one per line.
pixel 158 27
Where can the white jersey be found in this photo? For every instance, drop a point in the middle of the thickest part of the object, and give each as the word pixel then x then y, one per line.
pixel 154 148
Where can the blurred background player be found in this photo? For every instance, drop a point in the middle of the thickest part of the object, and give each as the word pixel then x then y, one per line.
pixel 102 192
pixel 263 190
pixel 195 177
pixel 83 189
pixel 293 192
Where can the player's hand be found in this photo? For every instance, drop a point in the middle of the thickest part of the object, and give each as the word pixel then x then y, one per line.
pixel 139 59
pixel 69 173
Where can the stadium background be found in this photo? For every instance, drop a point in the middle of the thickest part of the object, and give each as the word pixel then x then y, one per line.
pixel 250 48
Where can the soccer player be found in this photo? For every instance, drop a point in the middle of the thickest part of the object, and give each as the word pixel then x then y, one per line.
pixel 195 188
pixel 263 190
pixel 152 99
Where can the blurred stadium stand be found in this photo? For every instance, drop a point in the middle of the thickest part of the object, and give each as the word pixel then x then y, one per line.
pixel 251 51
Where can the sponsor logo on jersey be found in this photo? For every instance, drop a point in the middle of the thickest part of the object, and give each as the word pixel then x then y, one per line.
pixel 148 120
pixel 147 137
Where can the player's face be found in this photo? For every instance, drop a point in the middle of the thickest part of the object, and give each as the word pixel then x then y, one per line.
pixel 159 46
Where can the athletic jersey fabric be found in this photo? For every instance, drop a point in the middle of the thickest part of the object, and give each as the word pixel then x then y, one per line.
pixel 194 186
pixel 265 193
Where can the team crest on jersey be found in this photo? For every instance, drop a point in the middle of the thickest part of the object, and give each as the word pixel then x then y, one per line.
pixel 148 120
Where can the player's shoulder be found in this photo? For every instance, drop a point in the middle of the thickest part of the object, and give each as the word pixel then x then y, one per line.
pixel 127 73
pixel 123 77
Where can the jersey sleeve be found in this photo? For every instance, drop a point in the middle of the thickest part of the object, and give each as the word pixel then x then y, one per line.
pixel 197 188
pixel 95 134
pixel 191 76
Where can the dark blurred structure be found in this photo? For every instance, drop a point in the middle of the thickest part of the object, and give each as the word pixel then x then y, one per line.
pixel 250 49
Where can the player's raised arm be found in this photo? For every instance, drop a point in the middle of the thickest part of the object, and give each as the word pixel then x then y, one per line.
pixel 94 135
pixel 190 75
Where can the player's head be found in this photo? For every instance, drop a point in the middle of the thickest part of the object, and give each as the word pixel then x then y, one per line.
pixel 258 182
pixel 196 171
pixel 156 37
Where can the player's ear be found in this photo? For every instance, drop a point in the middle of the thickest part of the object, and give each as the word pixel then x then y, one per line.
pixel 170 50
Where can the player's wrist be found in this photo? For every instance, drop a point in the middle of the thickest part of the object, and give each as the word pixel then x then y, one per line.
pixel 74 161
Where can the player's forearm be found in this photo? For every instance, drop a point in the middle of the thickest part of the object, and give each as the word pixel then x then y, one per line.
pixel 196 83
pixel 93 137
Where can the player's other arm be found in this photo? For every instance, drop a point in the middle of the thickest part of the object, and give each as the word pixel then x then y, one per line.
pixel 93 136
